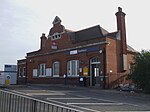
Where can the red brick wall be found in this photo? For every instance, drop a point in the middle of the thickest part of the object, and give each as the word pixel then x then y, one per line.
pixel 113 51
pixel 33 63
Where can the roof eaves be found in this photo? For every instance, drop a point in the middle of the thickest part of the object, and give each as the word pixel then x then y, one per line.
pixel 129 48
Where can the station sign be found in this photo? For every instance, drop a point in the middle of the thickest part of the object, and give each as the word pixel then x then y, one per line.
pixel 84 50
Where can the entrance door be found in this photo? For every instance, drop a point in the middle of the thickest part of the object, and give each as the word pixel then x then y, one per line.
pixel 94 72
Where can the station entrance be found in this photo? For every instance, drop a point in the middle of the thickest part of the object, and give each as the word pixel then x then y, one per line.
pixel 95 72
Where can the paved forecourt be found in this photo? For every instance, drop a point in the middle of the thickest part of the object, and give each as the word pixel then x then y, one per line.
pixel 81 99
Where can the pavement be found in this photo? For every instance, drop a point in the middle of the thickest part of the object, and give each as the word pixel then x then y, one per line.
pixel 94 88
pixel 87 99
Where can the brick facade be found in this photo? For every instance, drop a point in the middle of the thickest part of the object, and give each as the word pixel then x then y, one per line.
pixel 66 57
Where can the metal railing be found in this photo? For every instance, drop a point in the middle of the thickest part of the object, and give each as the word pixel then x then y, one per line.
pixel 12 102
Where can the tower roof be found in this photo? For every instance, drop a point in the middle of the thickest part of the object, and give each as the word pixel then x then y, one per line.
pixel 57 20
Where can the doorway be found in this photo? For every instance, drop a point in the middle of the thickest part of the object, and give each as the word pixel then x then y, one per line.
pixel 95 72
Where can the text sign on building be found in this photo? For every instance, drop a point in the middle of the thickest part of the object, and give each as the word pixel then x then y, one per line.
pixel 73 52
pixel 84 50
pixel 54 45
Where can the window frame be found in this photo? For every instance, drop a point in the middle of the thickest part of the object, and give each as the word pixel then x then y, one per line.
pixel 24 72
pixel 53 71
pixel 56 36
pixel 42 70
pixel 19 74
pixel 73 68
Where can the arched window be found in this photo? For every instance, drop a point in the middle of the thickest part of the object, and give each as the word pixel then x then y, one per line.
pixel 95 60
pixel 56 69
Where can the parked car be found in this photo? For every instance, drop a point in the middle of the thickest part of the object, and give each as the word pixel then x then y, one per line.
pixel 127 87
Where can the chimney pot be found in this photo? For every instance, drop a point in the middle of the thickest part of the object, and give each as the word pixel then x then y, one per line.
pixel 43 34
pixel 119 9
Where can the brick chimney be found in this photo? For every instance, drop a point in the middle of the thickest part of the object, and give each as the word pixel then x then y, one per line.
pixel 43 40
pixel 122 29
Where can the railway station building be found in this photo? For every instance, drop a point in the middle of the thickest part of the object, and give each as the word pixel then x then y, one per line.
pixel 89 57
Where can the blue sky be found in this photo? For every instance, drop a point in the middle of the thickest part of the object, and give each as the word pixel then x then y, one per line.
pixel 23 21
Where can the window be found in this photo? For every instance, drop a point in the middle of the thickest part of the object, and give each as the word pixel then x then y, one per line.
pixel 95 60
pixel 19 74
pixel 73 68
pixel 56 66
pixel 55 36
pixel 41 70
pixel 48 72
pixel 24 72
pixel 58 36
pixel 35 73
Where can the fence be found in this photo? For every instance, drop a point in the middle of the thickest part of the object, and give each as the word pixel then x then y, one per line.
pixel 12 102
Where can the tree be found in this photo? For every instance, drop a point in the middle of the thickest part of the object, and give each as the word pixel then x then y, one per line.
pixel 140 74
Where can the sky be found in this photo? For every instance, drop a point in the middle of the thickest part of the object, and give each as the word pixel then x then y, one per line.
pixel 22 22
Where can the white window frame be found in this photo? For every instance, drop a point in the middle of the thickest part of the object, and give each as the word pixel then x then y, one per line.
pixel 19 74
pixel 35 72
pixel 70 68
pixel 56 75
pixel 95 60
pixel 24 72
pixel 48 72
pixel 56 36
pixel 42 70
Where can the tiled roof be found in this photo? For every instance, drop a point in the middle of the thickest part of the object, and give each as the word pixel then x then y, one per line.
pixel 89 33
